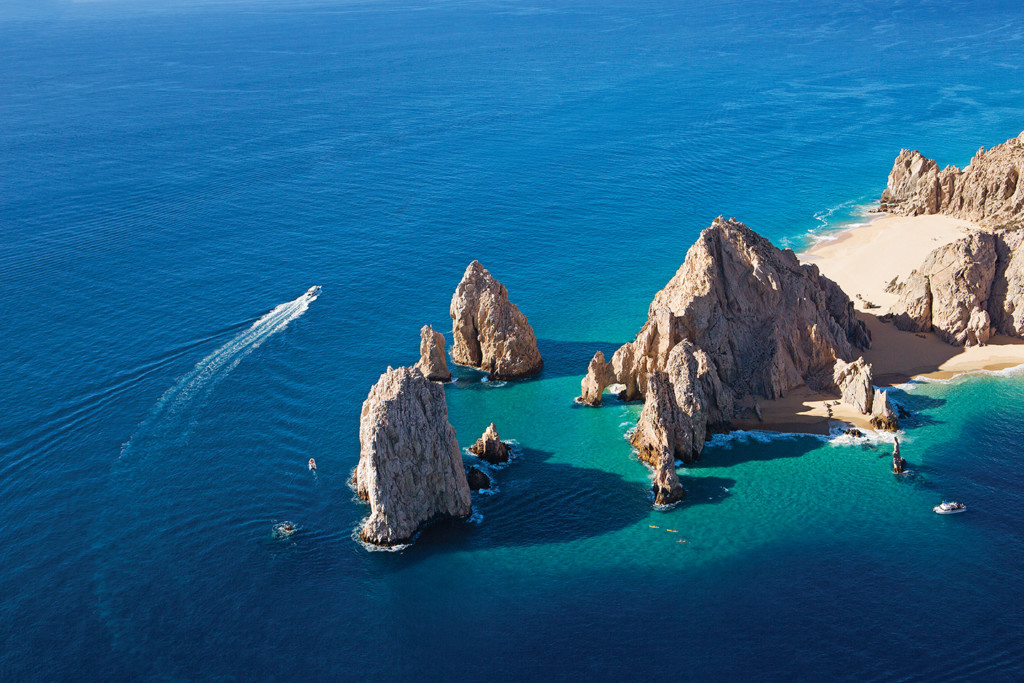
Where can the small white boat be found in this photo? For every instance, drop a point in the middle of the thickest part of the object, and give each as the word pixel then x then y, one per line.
pixel 312 464
pixel 314 290
pixel 949 508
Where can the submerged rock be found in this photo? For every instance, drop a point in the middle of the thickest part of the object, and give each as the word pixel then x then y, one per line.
pixel 490 447
pixel 489 332
pixel 410 467
pixel 477 479
pixel 433 363
pixel 988 191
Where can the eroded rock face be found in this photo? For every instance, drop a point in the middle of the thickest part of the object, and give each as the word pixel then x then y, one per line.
pixel 883 417
pixel 988 191
pixel 665 484
pixel 599 375
pixel 490 333
pixel 410 467
pixel 767 323
pixel 854 382
pixel 949 293
pixel 433 363
pixel 898 463
pixel 682 403
pixel 490 447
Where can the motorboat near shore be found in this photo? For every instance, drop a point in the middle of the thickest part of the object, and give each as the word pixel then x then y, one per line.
pixel 949 508
pixel 314 290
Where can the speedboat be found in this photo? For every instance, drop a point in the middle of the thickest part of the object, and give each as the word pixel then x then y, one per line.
pixel 312 464
pixel 949 508
pixel 313 291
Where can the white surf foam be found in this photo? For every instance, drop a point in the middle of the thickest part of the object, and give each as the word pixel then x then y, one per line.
pixel 169 417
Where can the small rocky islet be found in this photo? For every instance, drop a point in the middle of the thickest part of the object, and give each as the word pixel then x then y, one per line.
pixel 742 321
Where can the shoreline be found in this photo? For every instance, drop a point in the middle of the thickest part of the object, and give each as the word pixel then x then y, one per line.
pixel 863 259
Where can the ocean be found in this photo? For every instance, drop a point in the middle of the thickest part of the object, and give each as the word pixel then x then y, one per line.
pixel 176 174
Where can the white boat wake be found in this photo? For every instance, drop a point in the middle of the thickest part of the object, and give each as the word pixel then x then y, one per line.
pixel 191 391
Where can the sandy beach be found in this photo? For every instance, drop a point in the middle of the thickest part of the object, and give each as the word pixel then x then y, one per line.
pixel 863 260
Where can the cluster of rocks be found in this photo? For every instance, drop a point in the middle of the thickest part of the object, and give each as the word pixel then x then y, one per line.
pixel 410 467
pixel 967 290
pixel 740 319
pixel 988 191
pixel 855 383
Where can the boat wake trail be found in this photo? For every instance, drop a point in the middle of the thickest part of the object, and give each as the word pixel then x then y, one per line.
pixel 178 403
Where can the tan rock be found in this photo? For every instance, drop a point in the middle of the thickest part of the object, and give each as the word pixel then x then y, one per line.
pixel 988 191
pixel 490 333
pixel 768 323
pixel 854 382
pixel 490 447
pixel 410 467
pixel 665 483
pixel 599 375
pixel 681 403
pixel 882 415
pixel 949 292
pixel 433 363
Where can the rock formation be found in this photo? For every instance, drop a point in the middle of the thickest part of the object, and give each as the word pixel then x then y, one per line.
pixel 988 191
pixel 883 417
pixel 767 323
pixel 681 402
pixel 854 382
pixel 599 375
pixel 665 483
pixel 490 333
pixel 967 290
pixel 898 463
pixel 949 292
pixel 433 363
pixel 410 467
pixel 477 479
pixel 490 447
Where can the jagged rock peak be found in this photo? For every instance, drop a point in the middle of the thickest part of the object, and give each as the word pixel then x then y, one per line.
pixel 768 323
pixel 883 417
pixel 854 382
pixel 433 363
pixel 410 466
pixel 988 191
pixel 489 332
pixel 490 447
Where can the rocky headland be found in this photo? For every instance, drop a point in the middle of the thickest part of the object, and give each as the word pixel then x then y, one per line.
pixel 988 191
pixel 410 467
pixel 490 333
pixel 740 321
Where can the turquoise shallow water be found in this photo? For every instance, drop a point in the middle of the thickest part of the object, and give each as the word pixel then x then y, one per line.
pixel 173 171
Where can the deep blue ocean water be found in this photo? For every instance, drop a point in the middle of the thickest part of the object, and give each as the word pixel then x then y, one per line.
pixel 172 172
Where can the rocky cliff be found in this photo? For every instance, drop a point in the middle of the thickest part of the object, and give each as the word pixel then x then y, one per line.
pixel 967 290
pixel 490 333
pixel 766 323
pixel 410 467
pixel 988 191
pixel 432 362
